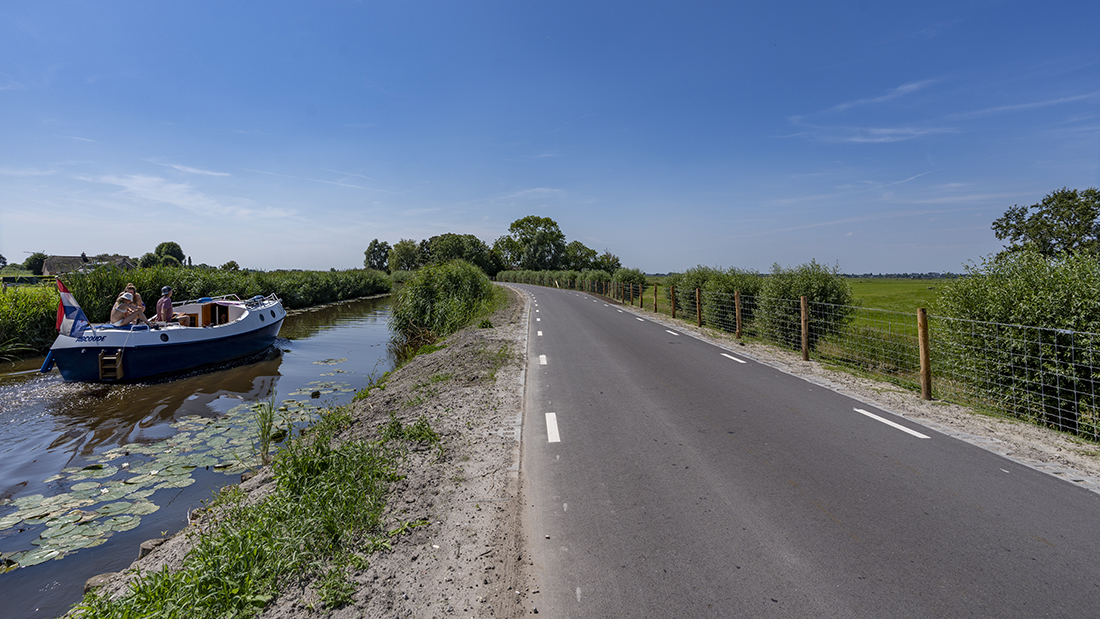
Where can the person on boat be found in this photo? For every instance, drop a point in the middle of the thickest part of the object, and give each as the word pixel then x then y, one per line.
pixel 132 289
pixel 124 312
pixel 164 309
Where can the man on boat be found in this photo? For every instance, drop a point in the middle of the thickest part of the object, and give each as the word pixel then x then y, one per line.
pixel 164 309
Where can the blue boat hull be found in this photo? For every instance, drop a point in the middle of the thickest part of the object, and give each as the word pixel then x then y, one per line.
pixel 143 362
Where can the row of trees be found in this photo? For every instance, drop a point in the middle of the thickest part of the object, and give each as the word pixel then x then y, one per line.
pixel 533 243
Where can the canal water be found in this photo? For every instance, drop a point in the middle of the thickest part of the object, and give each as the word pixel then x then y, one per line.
pixel 88 472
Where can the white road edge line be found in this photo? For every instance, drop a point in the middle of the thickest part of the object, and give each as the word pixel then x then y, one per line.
pixel 552 435
pixel 540 333
pixel 672 332
pixel 639 319
pixel 890 423
pixel 542 359
pixel 734 358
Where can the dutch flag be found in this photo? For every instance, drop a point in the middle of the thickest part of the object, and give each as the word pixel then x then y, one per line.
pixel 71 320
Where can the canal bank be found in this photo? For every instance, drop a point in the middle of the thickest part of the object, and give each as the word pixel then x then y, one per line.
pixel 463 556
pixel 131 461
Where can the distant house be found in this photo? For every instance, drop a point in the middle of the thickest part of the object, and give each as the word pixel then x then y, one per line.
pixel 59 265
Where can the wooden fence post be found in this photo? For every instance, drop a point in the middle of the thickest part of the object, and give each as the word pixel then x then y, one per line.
pixel 632 294
pixel 737 312
pixel 698 308
pixel 925 355
pixel 654 298
pixel 805 329
pixel 672 295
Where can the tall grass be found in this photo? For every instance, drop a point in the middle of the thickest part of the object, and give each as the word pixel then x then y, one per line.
pixel 28 313
pixel 439 300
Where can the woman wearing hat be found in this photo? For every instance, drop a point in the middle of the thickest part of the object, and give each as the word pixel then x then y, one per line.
pixel 124 312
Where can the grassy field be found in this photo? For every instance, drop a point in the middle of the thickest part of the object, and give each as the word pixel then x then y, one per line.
pixel 899 295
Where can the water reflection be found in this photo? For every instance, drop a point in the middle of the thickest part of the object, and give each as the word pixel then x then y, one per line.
pixel 47 425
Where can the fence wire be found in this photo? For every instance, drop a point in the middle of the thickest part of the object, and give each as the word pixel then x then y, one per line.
pixel 1045 376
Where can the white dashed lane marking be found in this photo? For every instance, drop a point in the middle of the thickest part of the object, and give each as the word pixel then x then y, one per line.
pixel 540 333
pixel 552 435
pixel 734 358
pixel 890 423
pixel 672 332
pixel 542 359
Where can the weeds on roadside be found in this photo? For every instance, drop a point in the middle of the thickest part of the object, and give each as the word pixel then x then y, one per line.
pixel 324 514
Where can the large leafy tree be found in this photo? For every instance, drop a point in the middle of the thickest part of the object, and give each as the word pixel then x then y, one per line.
pixel 34 262
pixel 170 248
pixel 3 261
pixel 537 244
pixel 607 262
pixel 404 256
pixel 1064 221
pixel 450 246
pixel 377 256
pixel 578 257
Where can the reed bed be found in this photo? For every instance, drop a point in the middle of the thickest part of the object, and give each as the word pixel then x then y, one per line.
pixel 28 313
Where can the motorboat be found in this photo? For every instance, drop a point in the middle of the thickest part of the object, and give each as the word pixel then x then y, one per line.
pixel 221 329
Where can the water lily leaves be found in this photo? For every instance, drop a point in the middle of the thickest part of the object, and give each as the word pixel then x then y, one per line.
pixel 122 523
pixel 330 361
pixel 60 531
pixel 143 508
pixel 85 485
pixel 175 482
pixel 141 494
pixel 112 509
pixel 98 472
pixel 41 555
pixel 28 501
pixel 8 522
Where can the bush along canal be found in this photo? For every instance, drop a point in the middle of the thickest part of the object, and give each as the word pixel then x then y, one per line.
pixel 88 472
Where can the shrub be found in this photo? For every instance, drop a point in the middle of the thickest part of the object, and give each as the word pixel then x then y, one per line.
pixel 1042 372
pixel 779 313
pixel 439 300
pixel 719 308
pixel 685 285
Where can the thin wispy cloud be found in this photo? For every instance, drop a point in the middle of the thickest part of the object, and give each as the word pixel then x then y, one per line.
pixel 532 193
pixel 890 95
pixel 1020 107
pixel 25 172
pixel 868 135
pixel 189 170
pixel 314 180
pixel 78 139
pixel 156 190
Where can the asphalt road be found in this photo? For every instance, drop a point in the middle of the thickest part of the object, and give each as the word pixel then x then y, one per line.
pixel 686 481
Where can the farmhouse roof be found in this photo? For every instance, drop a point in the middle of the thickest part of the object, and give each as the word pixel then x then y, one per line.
pixel 57 265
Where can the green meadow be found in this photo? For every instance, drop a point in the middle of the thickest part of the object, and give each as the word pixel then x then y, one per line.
pixel 899 295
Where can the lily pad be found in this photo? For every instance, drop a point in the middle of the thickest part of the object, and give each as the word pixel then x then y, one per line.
pixel 85 485
pixel 143 508
pixel 112 509
pixel 175 482
pixel 41 555
pixel 122 523
pixel 8 522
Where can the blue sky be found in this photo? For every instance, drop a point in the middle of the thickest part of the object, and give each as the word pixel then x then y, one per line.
pixel 880 136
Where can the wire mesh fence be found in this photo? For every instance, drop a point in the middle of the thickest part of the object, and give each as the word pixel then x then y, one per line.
pixel 1049 377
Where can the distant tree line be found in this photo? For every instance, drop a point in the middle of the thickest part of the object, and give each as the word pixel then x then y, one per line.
pixel 533 243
